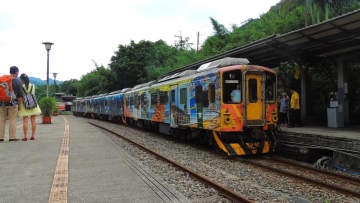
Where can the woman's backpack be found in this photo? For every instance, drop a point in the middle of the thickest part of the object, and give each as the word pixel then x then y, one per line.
pixel 29 99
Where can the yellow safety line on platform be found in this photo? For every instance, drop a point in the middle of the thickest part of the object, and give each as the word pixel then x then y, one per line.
pixel 58 193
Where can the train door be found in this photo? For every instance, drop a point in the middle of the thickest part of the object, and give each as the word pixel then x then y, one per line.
pixel 173 101
pixel 183 105
pixel 179 106
pixel 199 105
pixel 254 99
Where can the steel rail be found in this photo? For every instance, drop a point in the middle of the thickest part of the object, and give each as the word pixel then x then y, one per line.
pixel 306 179
pixel 224 191
pixel 331 173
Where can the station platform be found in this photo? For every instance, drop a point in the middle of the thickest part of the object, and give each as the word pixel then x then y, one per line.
pixel 317 143
pixel 352 132
pixel 72 161
pixel 338 139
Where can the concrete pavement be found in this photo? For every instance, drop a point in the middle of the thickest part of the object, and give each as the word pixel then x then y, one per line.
pixel 98 170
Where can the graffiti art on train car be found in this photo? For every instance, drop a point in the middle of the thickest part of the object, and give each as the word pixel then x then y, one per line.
pixel 159 108
pixel 226 102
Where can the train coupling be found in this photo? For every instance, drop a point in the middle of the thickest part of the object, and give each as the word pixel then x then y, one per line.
pixel 244 148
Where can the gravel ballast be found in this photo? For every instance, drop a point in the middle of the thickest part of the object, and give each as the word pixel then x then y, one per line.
pixel 255 183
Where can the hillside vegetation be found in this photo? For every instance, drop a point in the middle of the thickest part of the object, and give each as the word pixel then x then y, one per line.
pixel 144 61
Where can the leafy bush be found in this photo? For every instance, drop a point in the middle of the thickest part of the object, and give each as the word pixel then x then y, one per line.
pixel 47 105
pixel 66 113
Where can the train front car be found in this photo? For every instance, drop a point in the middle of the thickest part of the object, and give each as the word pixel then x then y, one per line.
pixel 248 110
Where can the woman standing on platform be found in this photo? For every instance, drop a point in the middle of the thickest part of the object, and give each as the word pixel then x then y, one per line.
pixel 28 88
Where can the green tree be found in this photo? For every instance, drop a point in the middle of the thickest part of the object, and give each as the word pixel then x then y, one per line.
pixel 219 29
pixel 69 87
pixel 183 43
pixel 163 56
pixel 129 63
pixel 171 58
pixel 320 10
pixel 216 43
pixel 101 80
pixel 40 91
pixel 144 61
pixel 273 22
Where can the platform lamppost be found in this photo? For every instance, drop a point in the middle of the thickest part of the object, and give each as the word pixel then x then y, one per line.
pixel 55 74
pixel 47 47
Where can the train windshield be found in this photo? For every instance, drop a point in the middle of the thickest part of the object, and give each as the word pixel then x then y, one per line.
pixel 270 87
pixel 232 87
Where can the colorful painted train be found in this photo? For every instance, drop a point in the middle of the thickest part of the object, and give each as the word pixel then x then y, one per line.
pixel 226 103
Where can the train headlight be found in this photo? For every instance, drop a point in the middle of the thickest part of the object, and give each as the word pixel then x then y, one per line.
pixel 274 116
pixel 227 117
pixel 227 120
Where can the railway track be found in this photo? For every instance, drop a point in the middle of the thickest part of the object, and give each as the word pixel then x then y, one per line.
pixel 330 173
pixel 338 182
pixel 235 197
pixel 287 170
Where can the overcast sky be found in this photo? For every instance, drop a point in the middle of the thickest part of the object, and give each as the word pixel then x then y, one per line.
pixel 84 31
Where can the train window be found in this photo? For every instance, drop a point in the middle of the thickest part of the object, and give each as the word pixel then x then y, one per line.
pixel 183 95
pixel 211 92
pixel 137 100
pixel 198 94
pixel 143 99
pixel 154 98
pixel 164 97
pixel 253 91
pixel 121 102
pixel 112 104
pixel 109 103
pixel 230 82
pixel 270 87
pixel 205 99
pixel 126 100
pixel 131 100
pixel 173 96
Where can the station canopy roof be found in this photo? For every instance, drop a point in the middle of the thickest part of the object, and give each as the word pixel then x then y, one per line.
pixel 331 38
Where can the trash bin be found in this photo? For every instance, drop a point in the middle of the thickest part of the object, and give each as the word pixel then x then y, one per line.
pixel 335 115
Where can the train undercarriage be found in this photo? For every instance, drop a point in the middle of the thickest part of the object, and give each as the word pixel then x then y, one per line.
pixel 251 141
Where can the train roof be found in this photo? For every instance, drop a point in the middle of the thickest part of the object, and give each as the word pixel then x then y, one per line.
pixel 100 95
pixel 204 69
pixel 125 90
pixel 140 86
pixel 115 92
pixel 224 62
pixel 207 68
pixel 177 75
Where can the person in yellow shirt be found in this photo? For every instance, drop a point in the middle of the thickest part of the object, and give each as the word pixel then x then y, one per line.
pixel 294 109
